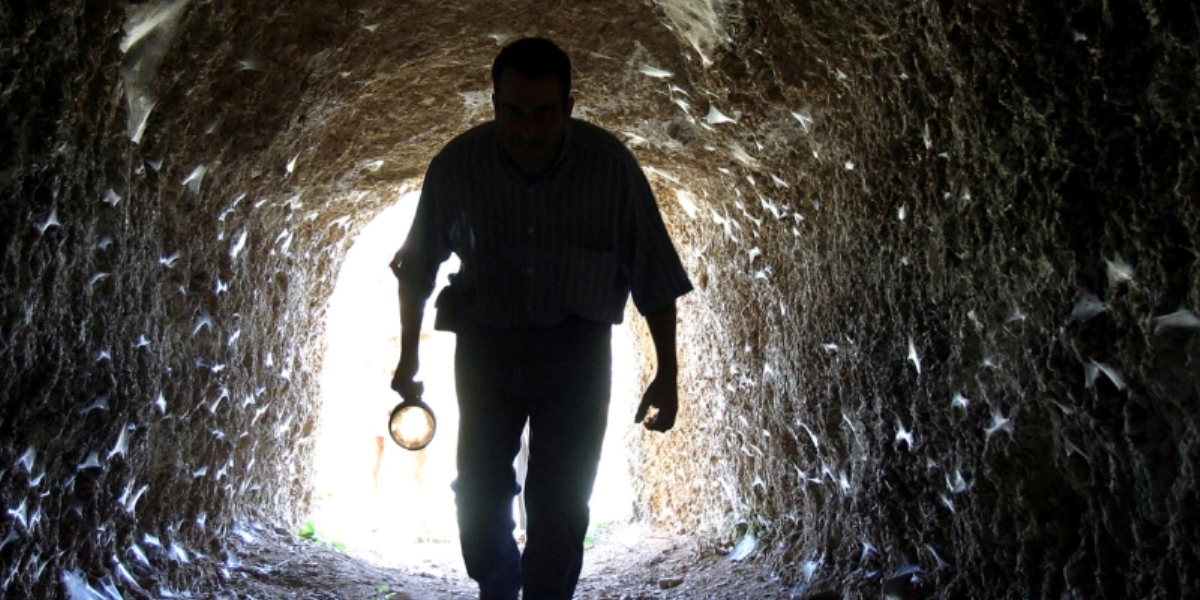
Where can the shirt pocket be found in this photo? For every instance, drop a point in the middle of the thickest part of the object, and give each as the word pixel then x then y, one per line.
pixel 591 280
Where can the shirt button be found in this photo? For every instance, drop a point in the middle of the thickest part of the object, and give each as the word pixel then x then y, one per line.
pixel 529 270
pixel 530 231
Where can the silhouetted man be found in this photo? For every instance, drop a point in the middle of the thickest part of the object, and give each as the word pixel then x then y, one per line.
pixel 555 226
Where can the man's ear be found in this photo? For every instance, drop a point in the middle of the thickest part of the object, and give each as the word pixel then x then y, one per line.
pixel 569 106
pixel 495 106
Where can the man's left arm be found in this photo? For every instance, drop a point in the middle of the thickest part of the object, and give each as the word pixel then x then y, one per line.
pixel 656 280
pixel 663 391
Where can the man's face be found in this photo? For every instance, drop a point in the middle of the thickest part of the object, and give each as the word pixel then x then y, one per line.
pixel 531 118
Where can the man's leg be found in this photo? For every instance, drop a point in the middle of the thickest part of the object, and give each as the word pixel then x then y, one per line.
pixel 568 415
pixel 489 434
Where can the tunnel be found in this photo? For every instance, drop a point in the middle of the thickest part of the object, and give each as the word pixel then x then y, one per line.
pixel 943 339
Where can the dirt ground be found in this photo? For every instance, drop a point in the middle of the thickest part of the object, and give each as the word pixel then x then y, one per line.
pixel 625 562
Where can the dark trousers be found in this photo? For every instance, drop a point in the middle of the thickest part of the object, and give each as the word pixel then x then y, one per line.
pixel 558 379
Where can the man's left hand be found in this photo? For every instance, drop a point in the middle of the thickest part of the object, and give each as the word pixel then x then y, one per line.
pixel 663 396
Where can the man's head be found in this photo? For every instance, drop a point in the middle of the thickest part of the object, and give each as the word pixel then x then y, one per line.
pixel 532 102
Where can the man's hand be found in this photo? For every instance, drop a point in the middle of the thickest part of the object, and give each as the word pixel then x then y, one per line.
pixel 402 380
pixel 663 392
pixel 663 396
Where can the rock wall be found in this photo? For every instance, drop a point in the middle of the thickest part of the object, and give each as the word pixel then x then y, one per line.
pixel 159 342
pixel 945 257
pixel 959 363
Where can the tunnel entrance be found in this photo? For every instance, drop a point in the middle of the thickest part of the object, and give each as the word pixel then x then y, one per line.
pixel 372 496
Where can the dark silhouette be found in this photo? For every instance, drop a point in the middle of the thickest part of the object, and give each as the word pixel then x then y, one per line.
pixel 556 226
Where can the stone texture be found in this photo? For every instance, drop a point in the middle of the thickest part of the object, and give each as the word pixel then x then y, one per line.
pixel 889 231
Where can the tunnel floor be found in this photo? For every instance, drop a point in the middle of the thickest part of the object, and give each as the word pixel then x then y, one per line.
pixel 626 562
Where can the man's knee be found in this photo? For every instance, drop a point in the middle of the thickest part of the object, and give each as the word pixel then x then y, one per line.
pixel 568 495
pixel 485 487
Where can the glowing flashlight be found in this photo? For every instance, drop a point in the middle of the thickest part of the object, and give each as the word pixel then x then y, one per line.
pixel 412 423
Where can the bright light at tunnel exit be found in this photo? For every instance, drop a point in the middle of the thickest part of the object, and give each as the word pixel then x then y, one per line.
pixel 370 494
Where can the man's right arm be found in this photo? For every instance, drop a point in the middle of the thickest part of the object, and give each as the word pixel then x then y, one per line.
pixel 412 313
pixel 415 267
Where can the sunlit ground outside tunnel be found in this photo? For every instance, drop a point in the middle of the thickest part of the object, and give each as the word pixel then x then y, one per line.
pixel 372 496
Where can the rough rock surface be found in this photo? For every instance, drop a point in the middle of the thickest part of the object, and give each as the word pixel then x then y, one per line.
pixel 943 341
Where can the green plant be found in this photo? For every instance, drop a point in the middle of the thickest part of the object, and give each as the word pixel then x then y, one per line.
pixel 594 532
pixel 383 592
pixel 310 532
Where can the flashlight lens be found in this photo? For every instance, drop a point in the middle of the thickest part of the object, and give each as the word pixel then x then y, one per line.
pixel 412 427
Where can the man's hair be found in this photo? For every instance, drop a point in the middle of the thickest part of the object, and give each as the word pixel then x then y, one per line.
pixel 534 58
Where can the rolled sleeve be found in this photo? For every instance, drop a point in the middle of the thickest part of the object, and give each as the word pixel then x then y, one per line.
pixel 655 273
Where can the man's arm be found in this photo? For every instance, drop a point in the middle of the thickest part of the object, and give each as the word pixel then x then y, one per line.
pixel 656 280
pixel 412 313
pixel 415 266
pixel 663 391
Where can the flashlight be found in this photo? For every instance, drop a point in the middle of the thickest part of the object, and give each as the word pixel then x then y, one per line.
pixel 412 423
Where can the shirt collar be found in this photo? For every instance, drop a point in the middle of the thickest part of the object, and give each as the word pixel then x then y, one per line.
pixel 568 137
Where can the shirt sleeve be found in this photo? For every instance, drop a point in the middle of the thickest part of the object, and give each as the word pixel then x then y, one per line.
pixel 427 245
pixel 655 274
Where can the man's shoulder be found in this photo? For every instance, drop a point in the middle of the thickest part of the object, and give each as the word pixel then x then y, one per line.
pixel 467 143
pixel 600 141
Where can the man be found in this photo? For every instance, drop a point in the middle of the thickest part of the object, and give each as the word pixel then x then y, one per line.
pixel 555 226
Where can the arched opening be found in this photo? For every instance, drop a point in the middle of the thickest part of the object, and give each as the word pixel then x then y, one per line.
pixel 367 488
pixel 372 496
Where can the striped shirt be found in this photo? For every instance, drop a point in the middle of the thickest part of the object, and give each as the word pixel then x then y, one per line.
pixel 576 241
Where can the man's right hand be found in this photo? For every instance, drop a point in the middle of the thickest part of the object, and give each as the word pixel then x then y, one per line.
pixel 403 380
